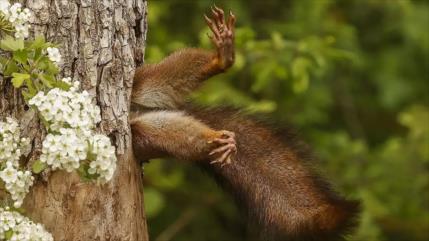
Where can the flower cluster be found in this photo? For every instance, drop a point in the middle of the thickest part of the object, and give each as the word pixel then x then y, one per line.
pixel 71 108
pixel 71 117
pixel 104 164
pixel 12 146
pixel 15 227
pixel 17 16
pixel 64 150
pixel 17 182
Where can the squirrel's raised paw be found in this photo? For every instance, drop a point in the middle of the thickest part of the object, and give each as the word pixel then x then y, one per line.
pixel 223 35
pixel 227 147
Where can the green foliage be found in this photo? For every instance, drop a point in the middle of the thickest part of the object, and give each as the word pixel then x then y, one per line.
pixel 154 202
pixel 38 167
pixel 18 79
pixel 8 234
pixel 28 66
pixel 5 26
pixel 351 75
pixel 84 173
pixel 9 43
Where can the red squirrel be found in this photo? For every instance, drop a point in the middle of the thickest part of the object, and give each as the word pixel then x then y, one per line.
pixel 270 178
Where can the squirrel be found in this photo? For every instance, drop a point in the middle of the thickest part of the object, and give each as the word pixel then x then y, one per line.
pixel 270 179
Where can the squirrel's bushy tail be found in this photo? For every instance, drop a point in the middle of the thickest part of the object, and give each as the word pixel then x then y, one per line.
pixel 336 220
pixel 274 182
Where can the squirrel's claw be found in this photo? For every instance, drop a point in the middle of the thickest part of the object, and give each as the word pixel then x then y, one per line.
pixel 213 28
pixel 228 146
pixel 231 21
pixel 223 35
pixel 217 24
pixel 224 148
pixel 223 159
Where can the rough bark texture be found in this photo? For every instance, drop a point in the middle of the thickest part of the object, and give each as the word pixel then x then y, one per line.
pixel 101 43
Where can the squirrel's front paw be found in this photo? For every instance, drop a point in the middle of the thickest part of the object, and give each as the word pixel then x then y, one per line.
pixel 223 36
pixel 227 147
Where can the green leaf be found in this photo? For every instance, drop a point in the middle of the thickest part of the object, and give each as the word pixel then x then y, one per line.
pixel 45 64
pixel 8 234
pixel 5 25
pixel 27 95
pixel 11 44
pixel 38 167
pixel 91 156
pixel 47 80
pixel 21 56
pixel 52 68
pixel 18 79
pixel 37 54
pixel 18 210
pixel 38 43
pixel 31 88
pixel 10 68
pixel 84 174
pixel 62 85
pixel 3 60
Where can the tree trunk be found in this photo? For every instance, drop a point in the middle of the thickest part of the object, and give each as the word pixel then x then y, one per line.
pixel 101 42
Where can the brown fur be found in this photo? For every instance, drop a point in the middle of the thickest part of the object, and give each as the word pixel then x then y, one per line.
pixel 173 133
pixel 271 179
pixel 281 192
pixel 167 83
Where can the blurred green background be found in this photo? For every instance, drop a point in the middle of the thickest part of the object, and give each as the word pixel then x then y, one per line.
pixel 351 76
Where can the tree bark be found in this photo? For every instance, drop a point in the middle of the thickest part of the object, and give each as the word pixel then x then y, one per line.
pixel 101 42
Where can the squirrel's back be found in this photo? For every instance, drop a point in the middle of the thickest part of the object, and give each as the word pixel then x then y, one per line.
pixel 273 181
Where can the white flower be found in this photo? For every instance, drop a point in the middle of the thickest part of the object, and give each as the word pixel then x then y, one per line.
pixel 71 117
pixel 104 164
pixel 17 182
pixel 54 54
pixel 21 31
pixel 9 174
pixel 64 150
pixel 14 11
pixel 11 145
pixel 22 228
pixel 7 220
pixel 67 80
pixel 17 16
pixel 67 109
pixel 4 6
pixel 37 99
